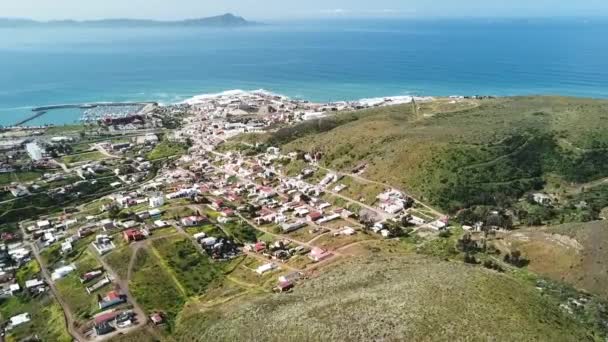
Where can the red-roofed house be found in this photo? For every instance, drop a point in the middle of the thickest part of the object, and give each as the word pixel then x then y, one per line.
pixel 317 254
pixel 314 216
pixel 133 235
pixel 105 317
pixel 259 247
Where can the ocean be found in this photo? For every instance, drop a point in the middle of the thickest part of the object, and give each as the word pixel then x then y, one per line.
pixel 313 60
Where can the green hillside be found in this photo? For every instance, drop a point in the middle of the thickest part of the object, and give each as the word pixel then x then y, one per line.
pixel 393 298
pixel 457 155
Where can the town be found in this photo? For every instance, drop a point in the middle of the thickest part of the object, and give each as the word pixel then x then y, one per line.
pixel 174 186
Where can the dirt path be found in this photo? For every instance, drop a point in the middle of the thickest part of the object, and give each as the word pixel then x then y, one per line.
pixel 124 286
pixel 67 313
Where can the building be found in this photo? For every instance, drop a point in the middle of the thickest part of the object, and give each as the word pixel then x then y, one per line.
pixel 265 268
pixel 192 221
pixel 288 227
pixel 62 272
pixel 131 235
pixel 317 254
pixel 18 320
pixel 314 216
pixel 157 200
pixel 34 151
pixel 111 299
pixel 103 244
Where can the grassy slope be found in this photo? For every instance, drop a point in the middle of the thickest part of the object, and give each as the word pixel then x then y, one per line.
pixel 575 253
pixel 154 288
pixel 393 298
pixel 482 155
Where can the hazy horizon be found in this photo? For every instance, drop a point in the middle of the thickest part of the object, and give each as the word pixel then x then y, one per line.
pixel 277 10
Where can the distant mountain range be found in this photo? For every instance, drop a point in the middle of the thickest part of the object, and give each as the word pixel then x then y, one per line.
pixel 226 20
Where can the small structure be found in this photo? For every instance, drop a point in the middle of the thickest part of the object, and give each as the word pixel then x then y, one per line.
pixel 284 286
pixel 265 268
pixel 157 318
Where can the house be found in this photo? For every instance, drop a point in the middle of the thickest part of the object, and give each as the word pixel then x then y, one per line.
pixel 66 247
pixel 225 219
pixel 155 213
pixel 112 298
pixel 33 283
pixel 314 216
pixel 317 254
pixel 259 247
pixel 392 206
pixel 346 231
pixel 199 236
pixel 133 235
pixel 265 268
pixel 160 224
pixel 217 204
pixel 103 329
pixel 329 218
pixel 415 220
pixel 210 241
pixel 61 272
pixel 284 286
pixel 103 244
pixel 18 320
pixel 192 221
pixel 106 224
pixel 156 201
pixel 157 318
pixel 290 277
pixel 105 317
pixel 542 199
pixel 85 278
pixel 289 227
pixel 44 224
pixel 227 212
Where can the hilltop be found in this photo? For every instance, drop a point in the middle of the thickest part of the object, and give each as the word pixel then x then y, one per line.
pixel 462 154
pixel 225 20
pixel 393 298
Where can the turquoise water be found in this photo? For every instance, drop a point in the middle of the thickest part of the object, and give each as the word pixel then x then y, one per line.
pixel 320 61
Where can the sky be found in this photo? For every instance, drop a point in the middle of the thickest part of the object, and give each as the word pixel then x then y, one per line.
pixel 289 9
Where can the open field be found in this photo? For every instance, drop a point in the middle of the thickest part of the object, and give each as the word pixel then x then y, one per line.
pixel 166 149
pixel 392 298
pixel 193 271
pixel 119 260
pixel 154 289
pixel 575 253
pixel 47 321
pixel 7 178
pixel 82 157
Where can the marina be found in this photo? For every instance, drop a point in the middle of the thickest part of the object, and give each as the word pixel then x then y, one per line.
pixel 91 111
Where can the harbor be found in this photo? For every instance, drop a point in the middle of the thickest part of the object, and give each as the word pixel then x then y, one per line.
pixel 91 112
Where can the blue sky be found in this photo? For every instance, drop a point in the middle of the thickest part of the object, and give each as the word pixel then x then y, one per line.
pixel 286 9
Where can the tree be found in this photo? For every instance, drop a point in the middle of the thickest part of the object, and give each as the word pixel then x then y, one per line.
pixel 516 259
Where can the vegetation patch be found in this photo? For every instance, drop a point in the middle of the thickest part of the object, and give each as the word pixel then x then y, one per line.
pixel 167 149
pixel 393 298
